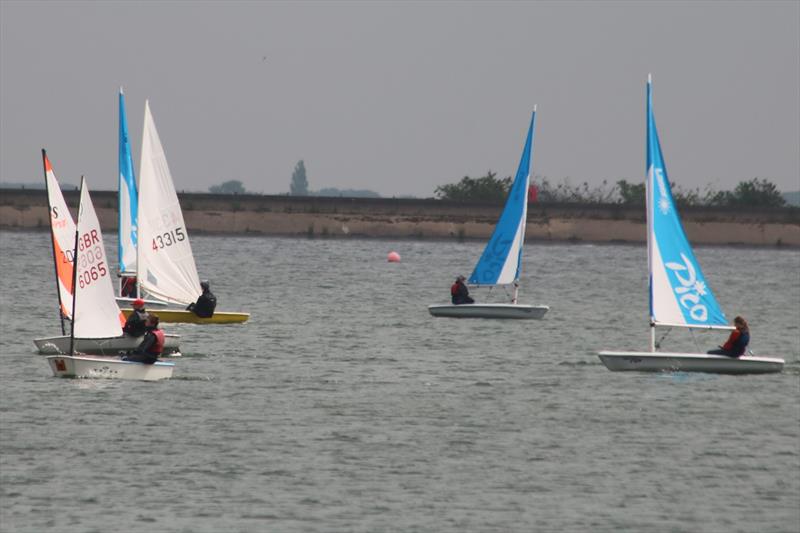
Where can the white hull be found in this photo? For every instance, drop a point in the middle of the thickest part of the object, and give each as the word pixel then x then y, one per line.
pixel 107 346
pixel 488 310
pixel 689 362
pixel 64 366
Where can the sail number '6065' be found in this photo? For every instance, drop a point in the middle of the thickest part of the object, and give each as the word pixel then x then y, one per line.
pixel 168 238
pixel 91 259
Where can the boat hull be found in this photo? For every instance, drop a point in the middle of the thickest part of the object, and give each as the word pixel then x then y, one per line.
pixel 108 346
pixel 181 316
pixel 65 366
pixel 689 362
pixel 124 300
pixel 488 311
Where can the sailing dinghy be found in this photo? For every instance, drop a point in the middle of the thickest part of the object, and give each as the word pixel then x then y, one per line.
pixel 95 311
pixel 62 229
pixel 679 294
pixel 164 263
pixel 501 262
pixel 128 206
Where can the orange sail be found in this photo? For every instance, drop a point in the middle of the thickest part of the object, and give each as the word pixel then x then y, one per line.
pixel 63 231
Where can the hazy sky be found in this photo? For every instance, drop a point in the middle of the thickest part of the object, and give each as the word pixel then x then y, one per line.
pixel 402 97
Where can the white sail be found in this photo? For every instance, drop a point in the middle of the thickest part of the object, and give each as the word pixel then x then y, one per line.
pixel 166 267
pixel 98 315
pixel 63 230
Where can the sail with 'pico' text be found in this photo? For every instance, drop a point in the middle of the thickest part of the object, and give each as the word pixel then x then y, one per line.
pixel 679 293
pixel 166 267
pixel 98 315
pixel 128 199
pixel 63 232
pixel 502 258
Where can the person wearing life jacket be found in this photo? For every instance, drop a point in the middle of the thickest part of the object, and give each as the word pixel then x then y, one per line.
pixel 135 324
pixel 151 347
pixel 738 340
pixel 459 294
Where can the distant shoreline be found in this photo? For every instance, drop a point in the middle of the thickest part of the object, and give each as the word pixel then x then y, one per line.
pixel 391 218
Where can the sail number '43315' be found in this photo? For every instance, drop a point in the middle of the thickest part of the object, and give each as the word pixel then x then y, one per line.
pixel 168 238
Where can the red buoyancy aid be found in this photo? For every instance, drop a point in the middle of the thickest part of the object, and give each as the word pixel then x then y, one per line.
pixel 735 334
pixel 454 289
pixel 157 346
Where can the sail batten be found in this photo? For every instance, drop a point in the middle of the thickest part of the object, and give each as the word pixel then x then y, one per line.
pixel 501 261
pixel 679 293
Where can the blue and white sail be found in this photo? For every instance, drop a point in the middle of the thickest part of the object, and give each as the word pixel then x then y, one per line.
pixel 128 198
pixel 502 258
pixel 679 293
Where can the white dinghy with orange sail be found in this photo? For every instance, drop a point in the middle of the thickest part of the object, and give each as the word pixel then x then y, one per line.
pixel 679 294
pixel 95 314
pixel 62 230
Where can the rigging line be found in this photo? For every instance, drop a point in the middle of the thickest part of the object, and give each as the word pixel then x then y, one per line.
pixel 664 336
pixel 505 289
pixel 694 339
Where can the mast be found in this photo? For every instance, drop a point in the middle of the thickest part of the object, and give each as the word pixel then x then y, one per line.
pixel 524 220
pixel 75 275
pixel 53 243
pixel 127 199
pixel 648 191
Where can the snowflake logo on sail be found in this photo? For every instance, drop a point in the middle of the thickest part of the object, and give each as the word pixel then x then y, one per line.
pixel 700 288
pixel 663 205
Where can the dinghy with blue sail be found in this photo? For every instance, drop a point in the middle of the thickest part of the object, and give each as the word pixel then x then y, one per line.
pixel 162 271
pixel 128 199
pixel 501 261
pixel 679 294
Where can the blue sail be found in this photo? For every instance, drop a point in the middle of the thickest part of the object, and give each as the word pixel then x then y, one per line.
pixel 679 293
pixel 128 198
pixel 502 257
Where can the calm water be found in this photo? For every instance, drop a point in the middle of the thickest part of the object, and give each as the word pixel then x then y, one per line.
pixel 343 406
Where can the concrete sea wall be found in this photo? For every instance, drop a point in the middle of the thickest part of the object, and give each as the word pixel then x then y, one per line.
pixel 422 219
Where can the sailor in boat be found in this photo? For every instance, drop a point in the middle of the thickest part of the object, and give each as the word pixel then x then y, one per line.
pixel 205 304
pixel 151 346
pixel 128 286
pixel 136 326
pixel 738 340
pixel 459 292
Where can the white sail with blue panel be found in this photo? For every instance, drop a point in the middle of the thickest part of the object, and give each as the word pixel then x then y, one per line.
pixel 679 293
pixel 502 258
pixel 501 261
pixel 128 198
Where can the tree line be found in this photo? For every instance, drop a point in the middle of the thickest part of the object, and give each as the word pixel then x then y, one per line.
pixel 756 192
pixel 489 188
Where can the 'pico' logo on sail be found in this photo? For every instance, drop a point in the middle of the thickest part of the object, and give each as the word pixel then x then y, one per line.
pixel 690 289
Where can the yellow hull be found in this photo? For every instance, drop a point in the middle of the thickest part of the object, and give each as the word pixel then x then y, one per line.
pixel 187 317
